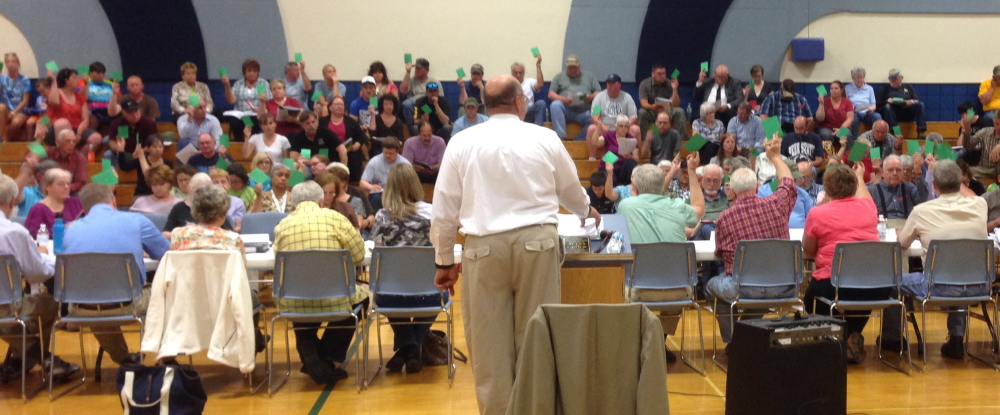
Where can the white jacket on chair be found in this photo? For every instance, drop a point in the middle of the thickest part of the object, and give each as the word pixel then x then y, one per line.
pixel 200 300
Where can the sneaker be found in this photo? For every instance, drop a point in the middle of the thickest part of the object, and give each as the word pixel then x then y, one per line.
pixel 856 348
pixel 954 348
pixel 60 369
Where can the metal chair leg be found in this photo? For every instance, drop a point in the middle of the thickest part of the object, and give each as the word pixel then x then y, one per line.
pixel 97 364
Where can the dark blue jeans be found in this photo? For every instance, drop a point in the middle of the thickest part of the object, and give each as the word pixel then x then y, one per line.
pixel 406 334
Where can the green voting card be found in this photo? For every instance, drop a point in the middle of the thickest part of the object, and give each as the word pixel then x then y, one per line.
pixel 224 140
pixel 51 65
pixel 258 176
pixel 116 76
pixel 295 178
pixel 123 131
pixel 774 184
pixel 44 121
pixel 223 72
pixel 373 101
pixel 426 109
pixel 460 72
pixel 897 131
pixel 675 73
pixel 843 132
pixel 261 89
pixel 898 99
pixel 912 147
pixel 194 100
pixel 247 121
pixel 222 164
pixel 695 143
pixel 771 125
pixel 408 58
pixel 298 57
pixel 726 180
pixel 317 94
pixel 754 152
pixel 307 153
pixel 610 158
pixel 596 110
pixel 929 148
pixel 107 178
pixel 971 113
pixel 858 152
pixel 656 131
pixel 704 66
pixel 106 165
pixel 325 152
pixel 534 52
pixel 821 90
pixel 944 151
pixel 876 153
pixel 289 163
pixel 39 150
pixel 82 70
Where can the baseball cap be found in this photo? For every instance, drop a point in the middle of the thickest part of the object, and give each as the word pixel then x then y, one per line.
pixel 794 167
pixel 572 60
pixel 996 70
pixel 895 73
pixel 129 105
pixel 477 68
pixel 471 102
pixel 433 85
pixel 613 78
pixel 367 80
pixel 422 63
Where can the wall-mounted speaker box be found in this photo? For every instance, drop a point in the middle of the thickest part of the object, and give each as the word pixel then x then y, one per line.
pixel 807 49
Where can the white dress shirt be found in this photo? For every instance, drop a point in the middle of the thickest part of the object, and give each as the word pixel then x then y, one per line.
pixel 189 129
pixel 501 175
pixel 16 241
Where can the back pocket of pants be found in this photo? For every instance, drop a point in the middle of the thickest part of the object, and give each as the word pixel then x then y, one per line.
pixel 539 245
pixel 477 253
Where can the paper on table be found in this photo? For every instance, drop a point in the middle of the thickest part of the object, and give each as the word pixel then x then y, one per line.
pixel 185 153
pixel 569 225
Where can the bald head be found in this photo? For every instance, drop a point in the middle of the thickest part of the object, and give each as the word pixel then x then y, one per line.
pixel 879 130
pixel 503 95
pixel 805 168
pixel 721 74
pixel 800 125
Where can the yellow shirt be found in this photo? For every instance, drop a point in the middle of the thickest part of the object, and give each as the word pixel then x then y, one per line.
pixel 312 227
pixel 994 103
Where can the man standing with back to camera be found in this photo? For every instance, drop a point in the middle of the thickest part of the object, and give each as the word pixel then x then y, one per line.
pixel 503 182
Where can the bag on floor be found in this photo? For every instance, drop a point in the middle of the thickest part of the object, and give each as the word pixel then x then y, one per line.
pixel 160 390
pixel 435 349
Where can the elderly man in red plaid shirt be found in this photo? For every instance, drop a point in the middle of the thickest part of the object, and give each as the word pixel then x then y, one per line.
pixel 750 218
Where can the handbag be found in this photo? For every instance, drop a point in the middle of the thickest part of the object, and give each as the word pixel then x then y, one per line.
pixel 435 349
pixel 160 390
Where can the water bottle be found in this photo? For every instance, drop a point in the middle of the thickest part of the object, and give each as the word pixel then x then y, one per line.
pixel 882 228
pixel 688 111
pixel 42 237
pixel 615 244
pixel 58 230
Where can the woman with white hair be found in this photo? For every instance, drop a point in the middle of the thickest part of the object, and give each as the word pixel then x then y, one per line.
pixel 710 128
pixel 57 204
pixel 181 214
pixel 622 144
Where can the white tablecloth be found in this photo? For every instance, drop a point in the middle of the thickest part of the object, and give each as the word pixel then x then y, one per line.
pixel 705 250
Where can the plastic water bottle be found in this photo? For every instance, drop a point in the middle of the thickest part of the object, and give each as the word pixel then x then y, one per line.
pixel 882 228
pixel 58 230
pixel 42 237
pixel 615 244
pixel 688 111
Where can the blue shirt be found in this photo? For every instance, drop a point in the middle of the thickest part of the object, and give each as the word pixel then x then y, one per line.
pixel 803 204
pixel 463 122
pixel 749 134
pixel 863 98
pixel 14 90
pixel 106 230
pixel 99 94
pixel 773 106
pixel 32 195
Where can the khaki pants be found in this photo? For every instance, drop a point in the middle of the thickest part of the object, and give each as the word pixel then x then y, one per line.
pixel 667 320
pixel 31 308
pixel 111 338
pixel 507 276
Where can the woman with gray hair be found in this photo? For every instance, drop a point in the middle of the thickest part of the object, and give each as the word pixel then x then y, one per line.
pixel 57 204
pixel 276 199
pixel 623 145
pixel 182 213
pixel 862 96
pixel 278 106
pixel 710 128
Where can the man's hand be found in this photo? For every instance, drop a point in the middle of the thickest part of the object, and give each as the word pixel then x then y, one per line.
pixel 409 67
pixel 609 167
pixel 701 77
pixel 31 159
pixel 224 79
pixel 445 279
pixel 694 160
pixel 376 188
pixel 930 160
pixel 460 82
pixel 538 60
pixel 222 150
pixel 116 88
pixel 859 171
pixel 876 164
pixel 995 153
pixel 302 66
pixel 117 145
pixel 139 153
pixel 592 214
pixel 43 249
pixel 773 148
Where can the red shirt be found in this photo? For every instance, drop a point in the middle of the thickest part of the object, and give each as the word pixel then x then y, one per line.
pixel 844 220
pixel 284 128
pixel 75 163
pixel 835 116
pixel 71 112
pixel 752 218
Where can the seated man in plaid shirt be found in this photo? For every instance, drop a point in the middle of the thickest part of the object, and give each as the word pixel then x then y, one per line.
pixel 312 227
pixel 750 218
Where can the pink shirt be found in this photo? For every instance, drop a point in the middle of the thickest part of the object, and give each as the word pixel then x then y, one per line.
pixel 835 116
pixel 844 220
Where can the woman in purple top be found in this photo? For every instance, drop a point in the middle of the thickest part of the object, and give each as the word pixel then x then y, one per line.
pixel 56 186
pixel 614 141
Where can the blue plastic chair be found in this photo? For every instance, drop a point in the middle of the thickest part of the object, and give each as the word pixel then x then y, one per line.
pixel 406 271
pixel 160 221
pixel 11 293
pixel 18 219
pixel 313 275
pixel 869 266
pixel 763 263
pixel 263 222
pixel 668 266
pixel 958 262
pixel 93 279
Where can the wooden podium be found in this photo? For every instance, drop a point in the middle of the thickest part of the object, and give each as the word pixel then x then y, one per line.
pixel 598 277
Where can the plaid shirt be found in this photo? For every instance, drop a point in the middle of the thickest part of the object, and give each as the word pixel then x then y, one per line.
pixel 752 218
pixel 312 227
pixel 785 111
pixel 75 163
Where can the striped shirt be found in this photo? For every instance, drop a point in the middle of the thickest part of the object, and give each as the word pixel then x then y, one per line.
pixel 988 137
pixel 786 111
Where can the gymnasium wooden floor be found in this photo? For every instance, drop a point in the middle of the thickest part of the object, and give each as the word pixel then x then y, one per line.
pixel 947 387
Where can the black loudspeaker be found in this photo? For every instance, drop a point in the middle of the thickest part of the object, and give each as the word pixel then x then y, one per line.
pixel 792 365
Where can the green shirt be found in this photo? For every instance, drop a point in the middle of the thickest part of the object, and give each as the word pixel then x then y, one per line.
pixel 714 207
pixel 585 84
pixel 656 218
pixel 247 195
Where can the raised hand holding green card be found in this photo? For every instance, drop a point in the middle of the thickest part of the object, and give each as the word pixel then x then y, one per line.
pixel 116 76
pixel 460 72
pixel 39 150
pixel 971 113
pixel 858 152
pixel 123 131
pixel 876 153
pixel 771 125
pixel 51 65
pixel 821 90
pixel 194 101
pixel 261 89
pixel 222 164
pixel 298 57
pixel 704 66
pixel 929 148
pixel 675 73
pixel 610 158
pixel 897 131
pixel 295 178
pixel 223 72
pixel 534 52
pixel 408 58
pixel 426 109
pixel 224 140
pixel 105 164
pixel 695 143
pixel 325 152
pixel 44 121
pixel 82 70
pixel 912 147
pixel 373 102
pixel 306 153
pixel 843 132
pixel 289 163
pixel 944 151
pixel 317 94
pixel 106 178
pixel 596 110
pixel 774 184
pixel 247 121
pixel 258 176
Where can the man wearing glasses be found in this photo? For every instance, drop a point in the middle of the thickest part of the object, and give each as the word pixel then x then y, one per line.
pixel 894 198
